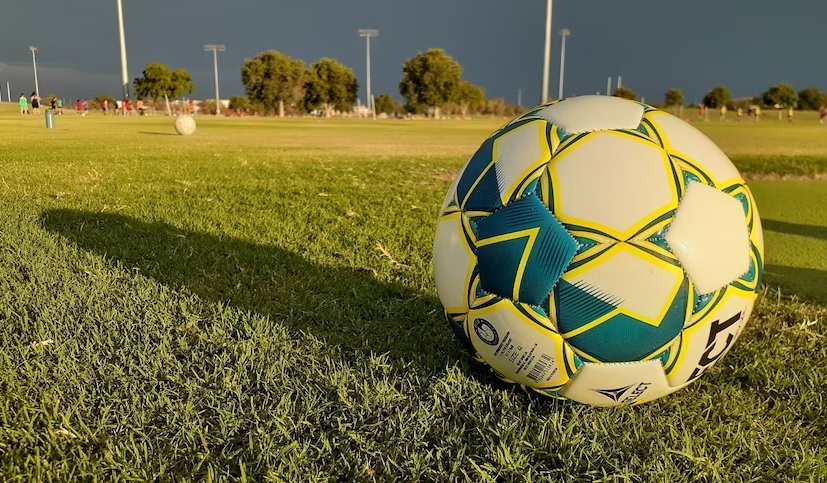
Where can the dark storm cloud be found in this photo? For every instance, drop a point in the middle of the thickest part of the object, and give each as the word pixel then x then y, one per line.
pixel 653 44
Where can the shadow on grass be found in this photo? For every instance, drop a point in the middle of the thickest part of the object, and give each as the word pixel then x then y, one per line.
pixel 811 231
pixel 159 133
pixel 343 306
pixel 808 283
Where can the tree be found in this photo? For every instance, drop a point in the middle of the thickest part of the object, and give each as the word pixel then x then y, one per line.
pixel 673 97
pixel 388 105
pixel 330 85
pixel 625 93
pixel 239 104
pixel 272 78
pixel 467 95
pixel 782 94
pixel 429 80
pixel 104 97
pixel 158 81
pixel 811 98
pixel 717 97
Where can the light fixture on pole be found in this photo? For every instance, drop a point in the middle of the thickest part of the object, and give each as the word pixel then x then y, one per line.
pixel 563 33
pixel 34 66
pixel 368 33
pixel 547 54
pixel 124 75
pixel 216 48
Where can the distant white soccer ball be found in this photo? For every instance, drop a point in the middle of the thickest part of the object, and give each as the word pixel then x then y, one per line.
pixel 599 250
pixel 185 124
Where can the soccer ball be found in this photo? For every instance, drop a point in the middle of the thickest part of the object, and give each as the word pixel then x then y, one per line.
pixel 185 124
pixel 599 250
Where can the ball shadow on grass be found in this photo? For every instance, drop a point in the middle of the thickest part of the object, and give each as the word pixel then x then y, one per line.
pixel 808 283
pixel 811 231
pixel 343 306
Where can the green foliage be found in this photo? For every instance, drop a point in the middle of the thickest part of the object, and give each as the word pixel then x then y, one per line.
pixel 499 107
pixel 239 103
pixel 468 96
pixel 811 98
pixel 782 94
pixel 673 97
pixel 330 85
pixel 429 80
pixel 717 97
pixel 158 81
pixel 625 93
pixel 273 79
pixel 385 103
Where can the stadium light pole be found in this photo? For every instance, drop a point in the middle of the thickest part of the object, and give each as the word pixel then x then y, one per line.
pixel 563 33
pixel 547 53
pixel 124 75
pixel 34 66
pixel 216 48
pixel 368 33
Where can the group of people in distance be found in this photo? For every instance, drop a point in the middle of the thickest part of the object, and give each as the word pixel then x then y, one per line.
pixel 123 107
pixel 24 103
pixel 754 112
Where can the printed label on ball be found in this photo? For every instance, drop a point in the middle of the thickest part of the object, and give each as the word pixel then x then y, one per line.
pixel 517 347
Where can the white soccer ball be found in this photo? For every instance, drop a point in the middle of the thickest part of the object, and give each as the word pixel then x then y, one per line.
pixel 599 250
pixel 185 124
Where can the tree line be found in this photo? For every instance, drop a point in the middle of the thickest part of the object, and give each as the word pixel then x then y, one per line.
pixel 432 84
pixel 276 83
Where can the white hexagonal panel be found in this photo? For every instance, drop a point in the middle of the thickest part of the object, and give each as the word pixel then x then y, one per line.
pixel 707 340
pixel 687 142
pixel 453 264
pixel 452 190
pixel 637 283
pixel 709 236
pixel 520 152
pixel 618 383
pixel 593 113
pixel 613 182
pixel 519 344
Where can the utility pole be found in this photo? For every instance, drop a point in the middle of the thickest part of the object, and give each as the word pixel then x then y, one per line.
pixel 124 75
pixel 34 66
pixel 547 54
pixel 216 48
pixel 368 33
pixel 563 33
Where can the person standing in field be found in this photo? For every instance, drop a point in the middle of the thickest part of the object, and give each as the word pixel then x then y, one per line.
pixel 60 106
pixel 739 114
pixel 105 106
pixel 35 103
pixel 790 114
pixel 822 114
pixel 24 104
pixel 723 113
pixel 53 104
pixel 85 107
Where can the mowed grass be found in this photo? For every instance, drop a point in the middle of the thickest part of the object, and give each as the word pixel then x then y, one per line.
pixel 255 302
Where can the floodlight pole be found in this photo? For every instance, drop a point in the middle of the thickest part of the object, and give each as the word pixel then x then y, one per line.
pixel 547 54
pixel 368 33
pixel 34 66
pixel 124 75
pixel 563 33
pixel 216 48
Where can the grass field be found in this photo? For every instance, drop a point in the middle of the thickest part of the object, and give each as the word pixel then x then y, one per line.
pixel 255 303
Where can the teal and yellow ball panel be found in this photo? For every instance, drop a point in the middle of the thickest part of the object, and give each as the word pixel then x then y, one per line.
pixel 612 334
pixel 522 251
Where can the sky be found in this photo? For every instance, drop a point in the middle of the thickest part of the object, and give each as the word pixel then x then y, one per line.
pixel 654 45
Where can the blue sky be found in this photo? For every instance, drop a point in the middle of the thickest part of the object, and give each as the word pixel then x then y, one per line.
pixel 653 44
